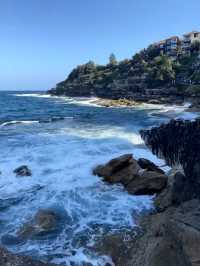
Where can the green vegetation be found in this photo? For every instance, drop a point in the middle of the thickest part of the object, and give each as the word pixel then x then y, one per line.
pixel 112 60
pixel 146 70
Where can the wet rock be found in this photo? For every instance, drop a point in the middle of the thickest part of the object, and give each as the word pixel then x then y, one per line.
pixel 116 247
pixel 127 171
pixel 154 101
pixel 169 238
pixel 147 183
pixel 148 165
pixel 44 222
pixel 9 259
pixel 118 170
pixel 23 171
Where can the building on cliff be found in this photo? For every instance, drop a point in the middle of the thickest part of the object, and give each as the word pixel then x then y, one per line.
pixel 176 46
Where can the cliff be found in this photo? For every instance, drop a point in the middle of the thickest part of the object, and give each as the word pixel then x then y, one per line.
pixel 148 75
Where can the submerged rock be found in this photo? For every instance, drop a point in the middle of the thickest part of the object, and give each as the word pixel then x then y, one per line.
pixel 9 259
pixel 23 171
pixel 127 171
pixel 44 222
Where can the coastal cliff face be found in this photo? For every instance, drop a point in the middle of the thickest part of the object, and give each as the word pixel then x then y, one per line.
pixel 179 142
pixel 148 75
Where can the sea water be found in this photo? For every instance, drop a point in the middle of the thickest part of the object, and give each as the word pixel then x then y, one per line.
pixel 61 140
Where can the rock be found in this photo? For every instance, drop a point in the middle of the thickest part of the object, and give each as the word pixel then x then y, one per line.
pixel 9 259
pixel 147 183
pixel 23 171
pixel 127 171
pixel 44 222
pixel 118 170
pixel 154 101
pixel 169 238
pixel 150 166
pixel 178 142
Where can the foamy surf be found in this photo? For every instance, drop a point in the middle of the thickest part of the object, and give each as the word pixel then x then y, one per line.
pixel 10 123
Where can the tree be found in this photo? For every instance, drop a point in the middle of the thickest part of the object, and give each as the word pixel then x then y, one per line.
pixel 161 70
pixel 195 47
pixel 112 60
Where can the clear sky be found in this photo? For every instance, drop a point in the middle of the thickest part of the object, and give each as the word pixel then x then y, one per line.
pixel 42 40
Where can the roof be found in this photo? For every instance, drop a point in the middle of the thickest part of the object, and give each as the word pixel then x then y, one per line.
pixel 172 37
pixel 190 33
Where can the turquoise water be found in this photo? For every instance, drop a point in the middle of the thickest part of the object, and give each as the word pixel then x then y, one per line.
pixel 61 140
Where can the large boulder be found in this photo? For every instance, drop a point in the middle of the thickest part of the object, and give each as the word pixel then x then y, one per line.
pixel 128 171
pixel 119 170
pixel 23 171
pixel 147 183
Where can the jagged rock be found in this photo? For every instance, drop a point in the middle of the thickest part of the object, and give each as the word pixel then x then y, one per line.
pixel 118 170
pixel 147 183
pixel 150 166
pixel 9 259
pixel 179 142
pixel 23 171
pixel 126 170
pixel 168 238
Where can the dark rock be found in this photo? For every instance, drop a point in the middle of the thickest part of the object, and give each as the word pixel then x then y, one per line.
pixel 44 223
pixel 154 101
pixel 169 238
pixel 150 166
pixel 23 171
pixel 9 259
pixel 147 183
pixel 179 142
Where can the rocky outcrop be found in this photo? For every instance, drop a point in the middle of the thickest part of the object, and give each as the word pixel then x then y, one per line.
pixel 145 77
pixel 148 179
pixel 169 238
pixel 23 171
pixel 179 142
pixel 9 259
pixel 170 235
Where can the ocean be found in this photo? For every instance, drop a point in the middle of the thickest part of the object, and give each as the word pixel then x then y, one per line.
pixel 61 140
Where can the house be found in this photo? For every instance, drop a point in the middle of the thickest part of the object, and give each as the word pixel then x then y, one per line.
pixel 175 46
pixel 188 40
pixel 172 45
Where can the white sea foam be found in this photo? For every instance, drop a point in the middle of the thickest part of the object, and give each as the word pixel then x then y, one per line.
pixel 40 95
pixel 62 163
pixel 9 123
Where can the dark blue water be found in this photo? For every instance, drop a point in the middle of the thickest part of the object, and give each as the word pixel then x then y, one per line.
pixel 61 140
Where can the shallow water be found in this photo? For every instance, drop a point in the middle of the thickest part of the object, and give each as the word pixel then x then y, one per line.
pixel 61 140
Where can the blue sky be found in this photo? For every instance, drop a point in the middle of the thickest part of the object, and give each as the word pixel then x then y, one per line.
pixel 42 40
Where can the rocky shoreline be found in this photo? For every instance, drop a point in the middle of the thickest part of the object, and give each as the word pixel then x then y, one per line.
pixel 170 235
